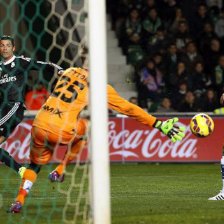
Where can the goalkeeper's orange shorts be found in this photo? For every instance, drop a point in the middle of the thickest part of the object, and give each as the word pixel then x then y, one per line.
pixel 44 142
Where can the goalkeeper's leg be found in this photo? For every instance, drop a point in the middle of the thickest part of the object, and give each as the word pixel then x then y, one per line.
pixel 27 182
pixel 43 156
pixel 40 154
pixel 70 155
pixel 74 148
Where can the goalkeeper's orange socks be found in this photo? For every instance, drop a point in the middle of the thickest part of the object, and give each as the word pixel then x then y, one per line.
pixel 70 155
pixel 29 177
pixel 21 196
pixel 62 166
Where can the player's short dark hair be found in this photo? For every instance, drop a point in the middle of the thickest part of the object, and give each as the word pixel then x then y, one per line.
pixel 6 37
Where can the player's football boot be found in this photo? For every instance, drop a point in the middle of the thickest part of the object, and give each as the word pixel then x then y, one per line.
pixel 22 171
pixel 219 196
pixel 15 207
pixel 55 177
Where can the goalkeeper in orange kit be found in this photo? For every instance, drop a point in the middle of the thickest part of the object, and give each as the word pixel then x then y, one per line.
pixel 57 122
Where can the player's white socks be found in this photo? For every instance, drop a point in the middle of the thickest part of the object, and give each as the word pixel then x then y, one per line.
pixel 222 170
pixel 27 185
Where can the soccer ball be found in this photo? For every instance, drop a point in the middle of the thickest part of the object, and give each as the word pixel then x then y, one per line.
pixel 202 125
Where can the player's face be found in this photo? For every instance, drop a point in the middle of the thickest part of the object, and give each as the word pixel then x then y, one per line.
pixel 6 49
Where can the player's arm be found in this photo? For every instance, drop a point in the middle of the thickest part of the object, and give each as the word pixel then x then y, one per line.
pixel 49 66
pixel 121 105
pixel 48 69
pixel 45 67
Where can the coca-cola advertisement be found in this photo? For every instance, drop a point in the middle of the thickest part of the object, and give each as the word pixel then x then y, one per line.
pixel 130 140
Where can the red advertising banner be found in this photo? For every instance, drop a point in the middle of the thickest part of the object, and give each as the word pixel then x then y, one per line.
pixel 131 141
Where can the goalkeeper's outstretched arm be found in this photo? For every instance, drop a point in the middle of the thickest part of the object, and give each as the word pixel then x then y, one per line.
pixel 121 105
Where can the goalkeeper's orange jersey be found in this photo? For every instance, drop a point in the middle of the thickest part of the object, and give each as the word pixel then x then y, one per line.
pixel 70 96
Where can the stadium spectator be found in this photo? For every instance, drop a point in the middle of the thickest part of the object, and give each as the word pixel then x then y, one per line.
pixel 119 13
pixel 133 29
pixel 165 106
pixel 172 24
pixel 159 63
pixel 211 58
pixel 191 56
pixel 169 10
pixel 137 4
pixel 172 58
pixel 219 26
pixel 212 3
pixel 151 84
pixel 197 80
pixel 133 100
pixel 214 14
pixel 35 98
pixel 150 25
pixel 204 38
pixel 200 19
pixel 182 36
pixel 179 76
pixel 178 96
pixel 149 4
pixel 159 41
pixel 210 102
pixel 190 104
pixel 219 75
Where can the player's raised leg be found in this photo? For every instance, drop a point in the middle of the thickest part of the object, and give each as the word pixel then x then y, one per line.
pixel 74 148
pixel 58 174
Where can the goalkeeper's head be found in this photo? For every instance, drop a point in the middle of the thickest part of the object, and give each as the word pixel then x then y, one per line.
pixel 84 56
pixel 6 37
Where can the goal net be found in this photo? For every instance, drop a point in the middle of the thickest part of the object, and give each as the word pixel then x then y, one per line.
pixel 55 31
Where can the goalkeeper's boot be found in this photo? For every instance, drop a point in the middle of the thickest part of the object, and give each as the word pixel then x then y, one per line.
pixel 55 177
pixel 21 171
pixel 219 196
pixel 15 207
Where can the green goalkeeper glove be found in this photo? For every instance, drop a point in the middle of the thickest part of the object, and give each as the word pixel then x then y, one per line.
pixel 168 128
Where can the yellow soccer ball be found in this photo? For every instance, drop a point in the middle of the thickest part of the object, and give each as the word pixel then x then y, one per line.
pixel 202 125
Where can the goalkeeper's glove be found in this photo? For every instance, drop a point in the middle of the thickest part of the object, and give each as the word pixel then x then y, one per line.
pixel 168 128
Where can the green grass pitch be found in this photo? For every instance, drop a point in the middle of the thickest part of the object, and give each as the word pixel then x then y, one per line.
pixel 140 194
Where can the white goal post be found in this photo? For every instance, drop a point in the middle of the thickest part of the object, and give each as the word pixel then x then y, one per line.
pixel 99 113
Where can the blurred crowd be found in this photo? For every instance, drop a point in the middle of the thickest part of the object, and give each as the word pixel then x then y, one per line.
pixel 36 94
pixel 176 49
